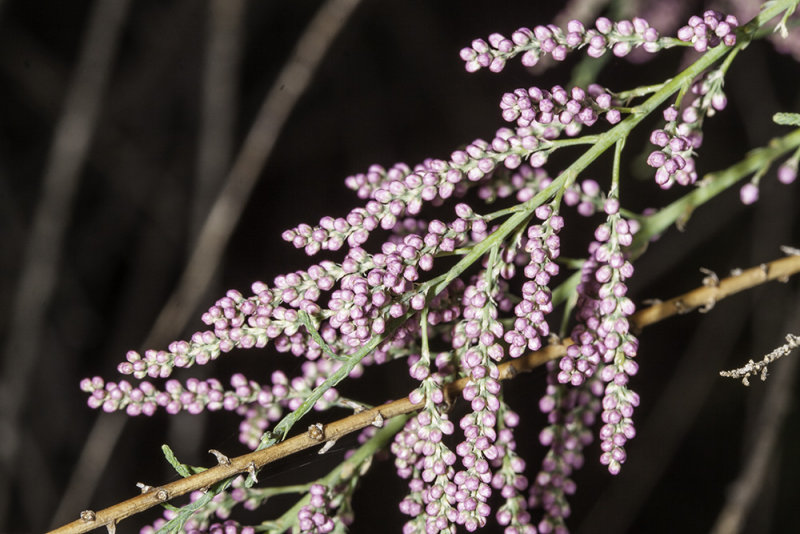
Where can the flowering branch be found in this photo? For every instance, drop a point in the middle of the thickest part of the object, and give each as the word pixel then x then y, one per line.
pixel 776 270
pixel 525 210
pixel 378 306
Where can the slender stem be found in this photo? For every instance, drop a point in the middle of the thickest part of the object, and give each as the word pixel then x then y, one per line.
pixel 316 336
pixel 644 90
pixel 423 327
pixel 577 141
pixel 614 191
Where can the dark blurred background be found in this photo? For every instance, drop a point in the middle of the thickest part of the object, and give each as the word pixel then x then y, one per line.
pixel 120 123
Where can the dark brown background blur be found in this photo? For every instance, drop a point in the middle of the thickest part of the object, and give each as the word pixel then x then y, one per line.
pixel 390 88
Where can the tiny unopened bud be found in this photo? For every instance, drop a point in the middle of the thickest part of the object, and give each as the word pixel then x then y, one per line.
pixel 251 470
pixel 221 458
pixel 378 421
pixel 316 432
pixel 88 516
pixel 144 487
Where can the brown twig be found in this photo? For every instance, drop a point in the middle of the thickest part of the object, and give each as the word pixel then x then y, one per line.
pixel 744 492
pixel 712 293
pixel 318 434
pixel 778 269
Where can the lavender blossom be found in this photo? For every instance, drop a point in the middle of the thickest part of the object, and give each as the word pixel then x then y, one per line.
pixel 313 518
pixel 241 322
pixel 475 340
pixel 259 405
pixel 603 342
pixel 558 108
pixel 400 194
pixel 678 141
pixel 787 172
pixel 423 457
pixel 709 30
pixel 748 194
pixel 432 493
pixel 584 195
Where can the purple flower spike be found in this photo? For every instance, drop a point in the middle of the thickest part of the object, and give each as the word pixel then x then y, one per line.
pixel 571 412
pixel 619 37
pixel 543 247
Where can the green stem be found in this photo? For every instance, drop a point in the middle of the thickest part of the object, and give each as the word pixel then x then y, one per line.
pixel 639 91
pixel 316 336
pixel 614 191
pixel 425 351
pixel 577 141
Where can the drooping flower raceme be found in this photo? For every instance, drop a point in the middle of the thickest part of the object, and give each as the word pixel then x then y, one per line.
pixel 421 454
pixel 543 248
pixel 571 413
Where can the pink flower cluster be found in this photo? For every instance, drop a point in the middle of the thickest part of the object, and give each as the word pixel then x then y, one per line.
pixel 313 518
pixel 709 30
pixel 679 139
pixel 563 110
pixel 571 412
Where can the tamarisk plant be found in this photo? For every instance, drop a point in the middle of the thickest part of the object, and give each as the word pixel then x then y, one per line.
pixel 457 297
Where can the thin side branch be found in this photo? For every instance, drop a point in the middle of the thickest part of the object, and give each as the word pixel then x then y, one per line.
pixel 744 492
pixel 760 367
pixel 710 294
pixel 320 434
